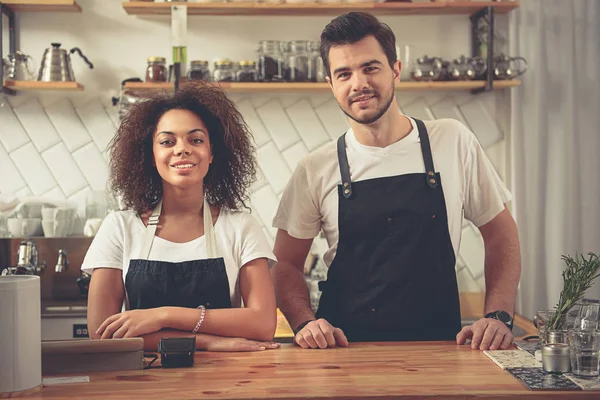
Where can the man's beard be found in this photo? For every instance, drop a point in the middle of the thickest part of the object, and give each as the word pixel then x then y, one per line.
pixel 378 113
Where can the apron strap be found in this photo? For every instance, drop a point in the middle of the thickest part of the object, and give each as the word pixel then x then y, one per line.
pixel 209 232
pixel 427 157
pixel 430 176
pixel 344 167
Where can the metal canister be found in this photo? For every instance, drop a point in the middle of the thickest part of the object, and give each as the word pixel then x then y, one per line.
pixel 555 357
pixel 557 336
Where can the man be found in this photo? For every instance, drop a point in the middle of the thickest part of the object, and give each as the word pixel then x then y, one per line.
pixel 393 233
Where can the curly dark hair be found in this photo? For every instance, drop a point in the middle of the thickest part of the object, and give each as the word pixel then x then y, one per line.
pixel 133 176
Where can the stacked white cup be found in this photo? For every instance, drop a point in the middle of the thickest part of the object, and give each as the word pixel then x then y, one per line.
pixel 58 221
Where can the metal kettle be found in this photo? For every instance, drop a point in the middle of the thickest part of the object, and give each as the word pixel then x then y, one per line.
pixel 56 64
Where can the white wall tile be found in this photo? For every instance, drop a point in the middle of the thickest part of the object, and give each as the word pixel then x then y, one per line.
pixel 55 194
pixel 273 167
pixel 36 123
pixel 264 203
pixel 293 155
pixel 466 283
pixel 113 114
pixel 481 123
pixel 418 109
pixel 446 108
pixel 12 134
pixel 278 124
pixel 68 125
pixel 23 192
pixel 11 180
pixel 307 123
pixel 33 169
pixel 79 199
pixel 260 180
pixel 318 99
pixel 254 123
pixel 93 166
pixel 97 123
pixel 333 119
pixel 472 251
pixel 65 170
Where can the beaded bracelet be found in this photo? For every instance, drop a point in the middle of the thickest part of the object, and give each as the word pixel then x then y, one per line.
pixel 202 311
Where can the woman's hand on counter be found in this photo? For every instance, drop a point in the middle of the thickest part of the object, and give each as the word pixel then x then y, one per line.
pixel 131 323
pixel 220 343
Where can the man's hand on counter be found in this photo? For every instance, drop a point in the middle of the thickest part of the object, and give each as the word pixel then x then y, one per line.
pixel 486 334
pixel 130 323
pixel 320 334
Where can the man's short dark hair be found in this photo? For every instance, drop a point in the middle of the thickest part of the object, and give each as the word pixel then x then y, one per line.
pixel 354 26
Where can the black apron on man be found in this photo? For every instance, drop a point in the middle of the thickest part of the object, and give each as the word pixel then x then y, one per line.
pixel 151 284
pixel 393 276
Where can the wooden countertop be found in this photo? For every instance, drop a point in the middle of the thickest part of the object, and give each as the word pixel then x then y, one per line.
pixel 414 370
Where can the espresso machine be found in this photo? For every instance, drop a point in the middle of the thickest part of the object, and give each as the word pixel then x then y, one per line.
pixel 63 287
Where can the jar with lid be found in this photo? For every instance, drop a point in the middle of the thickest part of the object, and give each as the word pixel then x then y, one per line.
pixel 284 47
pixel 199 71
pixel 247 71
pixel 223 71
pixel 318 72
pixel 156 71
pixel 299 62
pixel 270 61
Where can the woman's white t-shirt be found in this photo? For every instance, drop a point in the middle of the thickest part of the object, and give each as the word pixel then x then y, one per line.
pixel 240 239
pixel 471 186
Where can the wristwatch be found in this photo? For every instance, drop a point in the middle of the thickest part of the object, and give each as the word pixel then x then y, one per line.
pixel 501 316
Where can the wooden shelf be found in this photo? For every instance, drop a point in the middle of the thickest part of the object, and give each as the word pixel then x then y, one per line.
pixel 144 89
pixel 22 86
pixel 42 5
pixel 315 9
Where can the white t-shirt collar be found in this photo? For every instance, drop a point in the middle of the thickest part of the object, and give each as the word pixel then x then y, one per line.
pixel 412 137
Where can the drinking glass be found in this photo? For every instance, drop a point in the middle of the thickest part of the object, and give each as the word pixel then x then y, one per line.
pixel 587 319
pixel 584 352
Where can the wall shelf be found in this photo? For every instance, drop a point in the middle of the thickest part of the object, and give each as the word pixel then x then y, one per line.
pixel 315 9
pixel 21 86
pixel 144 89
pixel 42 5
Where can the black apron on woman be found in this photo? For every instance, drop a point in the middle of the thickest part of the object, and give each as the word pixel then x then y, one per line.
pixel 393 276
pixel 151 284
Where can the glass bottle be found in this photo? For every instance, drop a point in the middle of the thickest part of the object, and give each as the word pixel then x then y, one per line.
pixel 223 71
pixel 270 61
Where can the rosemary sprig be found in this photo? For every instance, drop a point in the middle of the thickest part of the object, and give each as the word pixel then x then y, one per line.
pixel 578 277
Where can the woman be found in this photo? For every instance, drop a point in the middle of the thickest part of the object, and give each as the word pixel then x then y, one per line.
pixel 181 260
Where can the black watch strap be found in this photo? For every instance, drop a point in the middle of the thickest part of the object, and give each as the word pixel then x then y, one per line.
pixel 302 325
pixel 503 317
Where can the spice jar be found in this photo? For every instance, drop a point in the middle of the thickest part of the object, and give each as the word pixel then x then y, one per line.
pixel 199 70
pixel 270 61
pixel 156 70
pixel 299 62
pixel 247 71
pixel 556 357
pixel 223 71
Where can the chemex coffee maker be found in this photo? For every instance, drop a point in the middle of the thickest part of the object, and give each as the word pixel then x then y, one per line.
pixel 27 261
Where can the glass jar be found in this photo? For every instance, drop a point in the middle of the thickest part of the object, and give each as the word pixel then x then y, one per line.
pixel 270 61
pixel 318 72
pixel 247 71
pixel 156 71
pixel 199 71
pixel 284 47
pixel 299 62
pixel 223 71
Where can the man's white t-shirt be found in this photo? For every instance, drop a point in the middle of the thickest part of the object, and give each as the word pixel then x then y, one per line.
pixel 238 234
pixel 310 200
